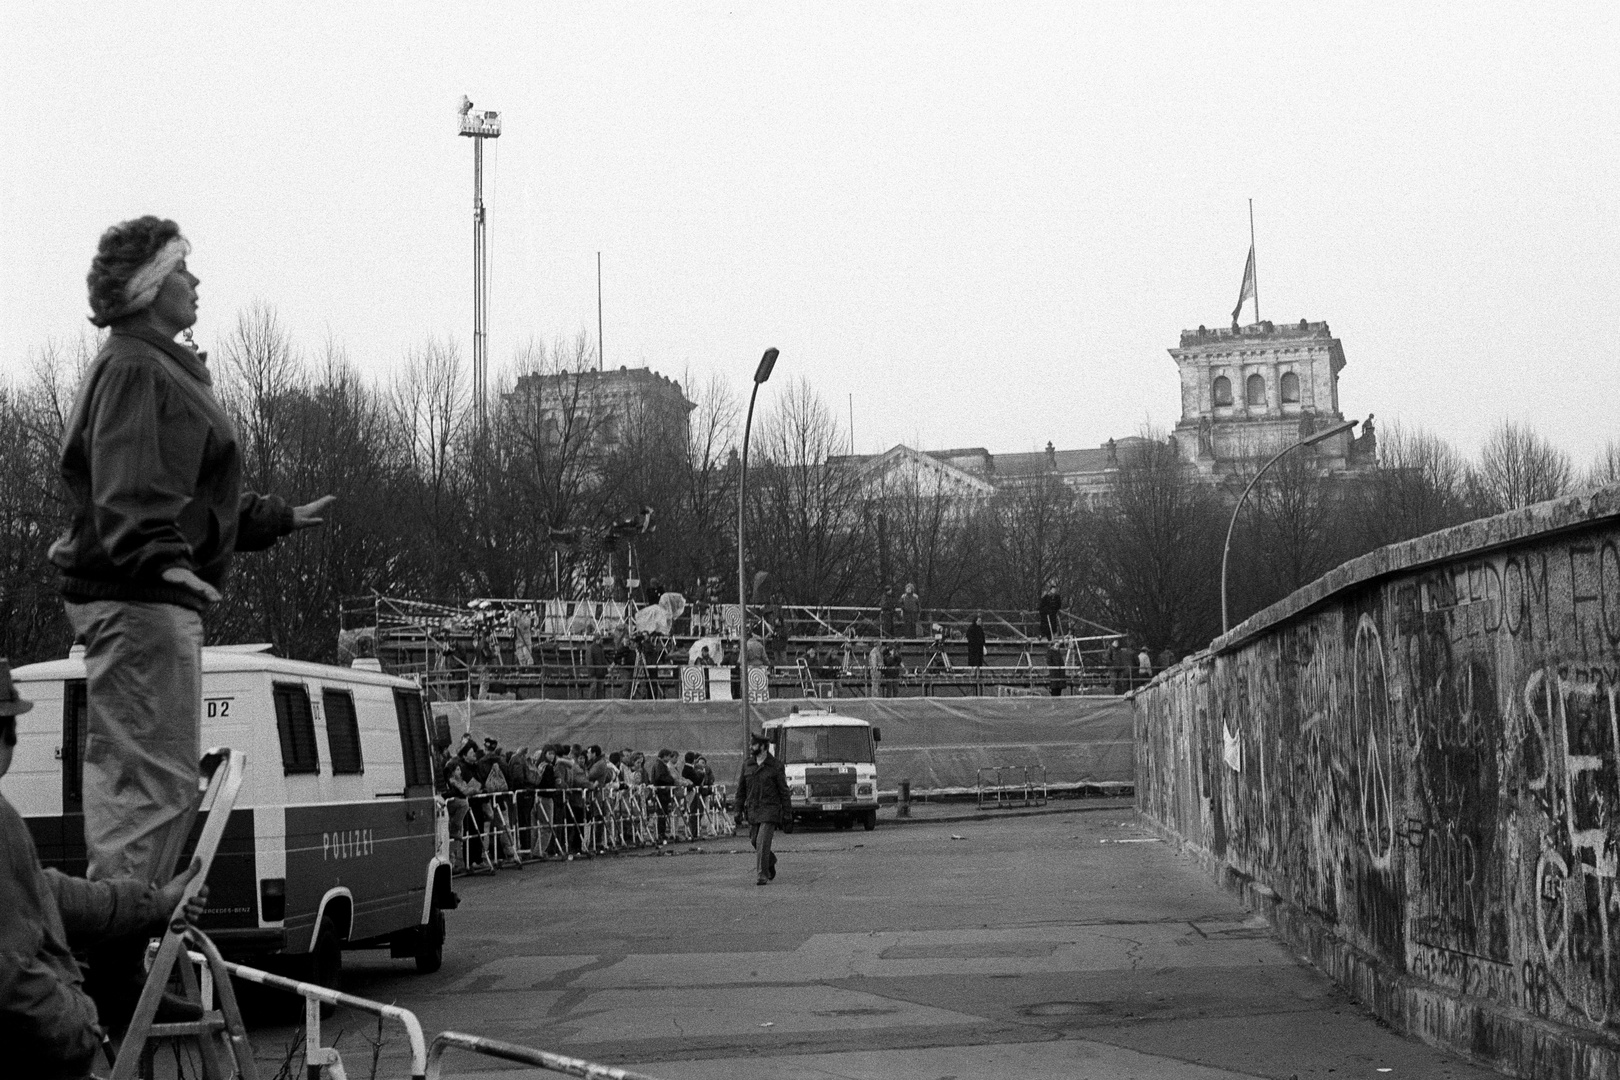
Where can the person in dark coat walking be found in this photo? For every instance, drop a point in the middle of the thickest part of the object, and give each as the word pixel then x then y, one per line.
pixel 762 799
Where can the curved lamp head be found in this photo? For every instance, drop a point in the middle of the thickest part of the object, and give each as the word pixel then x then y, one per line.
pixel 766 362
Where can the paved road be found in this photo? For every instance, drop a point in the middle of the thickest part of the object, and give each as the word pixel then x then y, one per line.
pixel 1067 945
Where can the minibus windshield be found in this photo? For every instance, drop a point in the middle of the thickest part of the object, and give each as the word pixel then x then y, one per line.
pixel 826 745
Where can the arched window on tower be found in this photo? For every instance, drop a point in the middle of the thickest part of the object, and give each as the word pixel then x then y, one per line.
pixel 1254 390
pixel 1290 388
pixel 1221 390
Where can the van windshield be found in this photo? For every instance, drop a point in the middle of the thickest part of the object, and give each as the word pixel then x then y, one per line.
pixel 826 745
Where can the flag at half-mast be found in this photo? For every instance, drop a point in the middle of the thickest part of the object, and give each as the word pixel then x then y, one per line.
pixel 1247 290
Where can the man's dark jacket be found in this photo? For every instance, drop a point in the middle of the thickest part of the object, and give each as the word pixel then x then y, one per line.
pixel 48 1026
pixel 154 478
pixel 762 791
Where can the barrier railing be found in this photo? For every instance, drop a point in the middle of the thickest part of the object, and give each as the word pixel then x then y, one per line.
pixel 536 824
pixel 426 1060
pixel 522 1055
pixel 325 1060
pixel 1012 785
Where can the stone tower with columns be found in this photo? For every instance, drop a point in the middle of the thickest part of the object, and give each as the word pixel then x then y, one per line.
pixel 1249 391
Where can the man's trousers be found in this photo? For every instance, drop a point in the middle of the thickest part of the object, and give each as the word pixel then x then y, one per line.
pixel 759 834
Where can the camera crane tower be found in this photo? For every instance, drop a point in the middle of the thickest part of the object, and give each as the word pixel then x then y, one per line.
pixel 479 126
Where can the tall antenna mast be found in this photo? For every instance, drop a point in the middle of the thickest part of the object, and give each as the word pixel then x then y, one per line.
pixel 479 126
pixel 601 361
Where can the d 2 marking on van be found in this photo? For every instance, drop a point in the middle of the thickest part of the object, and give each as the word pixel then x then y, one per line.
pixel 347 844
pixel 218 708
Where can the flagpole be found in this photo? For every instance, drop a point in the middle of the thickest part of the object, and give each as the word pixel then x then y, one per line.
pixel 1256 265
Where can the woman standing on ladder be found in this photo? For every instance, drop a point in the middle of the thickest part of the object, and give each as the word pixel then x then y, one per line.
pixel 153 472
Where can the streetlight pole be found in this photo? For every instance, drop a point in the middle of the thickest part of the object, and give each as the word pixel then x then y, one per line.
pixel 761 373
pixel 1226 550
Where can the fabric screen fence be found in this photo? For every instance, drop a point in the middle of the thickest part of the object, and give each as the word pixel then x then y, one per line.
pixel 939 744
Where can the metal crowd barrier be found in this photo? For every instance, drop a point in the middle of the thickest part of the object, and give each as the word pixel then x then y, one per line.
pixel 512 827
pixel 1012 785
pixel 325 1060
pixel 523 1055
pixel 426 1061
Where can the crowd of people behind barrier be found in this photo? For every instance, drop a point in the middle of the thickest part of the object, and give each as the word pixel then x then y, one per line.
pixel 570 801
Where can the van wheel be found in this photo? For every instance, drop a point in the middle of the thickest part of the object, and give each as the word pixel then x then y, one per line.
pixel 869 820
pixel 430 944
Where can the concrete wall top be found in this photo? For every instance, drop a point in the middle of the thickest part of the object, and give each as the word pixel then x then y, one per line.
pixel 1542 520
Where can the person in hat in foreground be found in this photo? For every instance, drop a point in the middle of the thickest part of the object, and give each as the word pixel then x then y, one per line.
pixel 762 799
pixel 48 1025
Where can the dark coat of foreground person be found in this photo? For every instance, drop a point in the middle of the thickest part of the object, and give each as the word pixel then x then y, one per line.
pixel 762 791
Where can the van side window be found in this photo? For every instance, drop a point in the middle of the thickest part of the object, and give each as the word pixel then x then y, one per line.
pixel 342 732
pixel 413 743
pixel 299 753
pixel 75 719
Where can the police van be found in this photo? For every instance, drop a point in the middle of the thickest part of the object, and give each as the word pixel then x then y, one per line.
pixel 332 844
pixel 831 766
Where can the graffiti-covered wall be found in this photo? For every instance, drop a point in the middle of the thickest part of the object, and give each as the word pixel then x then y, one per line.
pixel 1414 762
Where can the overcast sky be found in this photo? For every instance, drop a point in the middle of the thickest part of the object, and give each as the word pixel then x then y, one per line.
pixel 986 222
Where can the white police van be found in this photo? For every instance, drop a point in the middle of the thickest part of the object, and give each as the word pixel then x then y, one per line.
pixel 831 766
pixel 332 844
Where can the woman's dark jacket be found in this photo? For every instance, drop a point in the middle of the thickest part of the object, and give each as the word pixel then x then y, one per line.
pixel 153 475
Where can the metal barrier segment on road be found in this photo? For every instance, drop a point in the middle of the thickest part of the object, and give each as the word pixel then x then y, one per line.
pixel 327 1058
pixel 594 822
pixel 426 1060
pixel 523 1055
pixel 1029 789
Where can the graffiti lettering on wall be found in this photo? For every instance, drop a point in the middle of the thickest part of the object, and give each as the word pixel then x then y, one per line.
pixel 1571 739
pixel 1375 743
pixel 1431 763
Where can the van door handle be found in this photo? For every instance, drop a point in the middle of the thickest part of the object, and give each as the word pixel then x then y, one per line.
pixel 412 815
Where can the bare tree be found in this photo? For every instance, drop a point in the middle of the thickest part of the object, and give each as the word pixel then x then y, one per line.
pixel 928 532
pixel 679 465
pixel 550 446
pixel 1517 467
pixel 258 375
pixel 33 506
pixel 1157 550
pixel 429 400
pixel 1288 534
pixel 805 520
pixel 1039 538
pixel 1418 485
pixel 1606 466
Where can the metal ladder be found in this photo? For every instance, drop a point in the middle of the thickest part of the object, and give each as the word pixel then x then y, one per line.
pixel 219 1029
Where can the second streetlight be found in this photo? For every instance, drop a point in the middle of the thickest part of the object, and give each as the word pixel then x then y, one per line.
pixel 761 374
pixel 1226 549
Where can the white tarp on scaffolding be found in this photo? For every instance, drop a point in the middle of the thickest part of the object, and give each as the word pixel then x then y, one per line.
pixel 936 743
